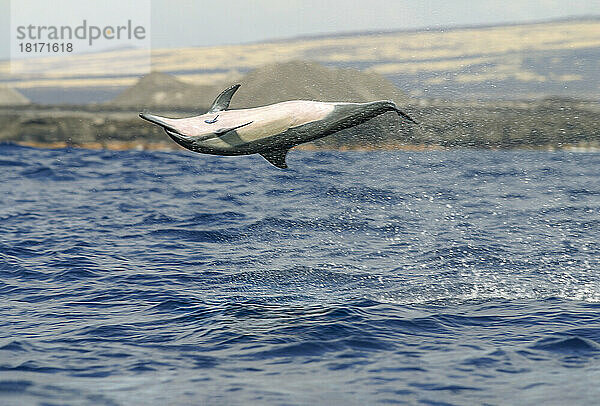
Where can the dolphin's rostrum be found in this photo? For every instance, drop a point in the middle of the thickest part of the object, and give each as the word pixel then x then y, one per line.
pixel 270 130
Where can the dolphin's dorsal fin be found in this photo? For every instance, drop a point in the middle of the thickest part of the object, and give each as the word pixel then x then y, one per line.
pixel 222 101
pixel 276 157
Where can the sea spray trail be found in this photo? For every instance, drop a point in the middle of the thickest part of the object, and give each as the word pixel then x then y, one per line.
pixel 448 277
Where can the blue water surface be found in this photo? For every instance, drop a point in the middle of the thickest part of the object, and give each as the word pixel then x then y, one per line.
pixel 435 278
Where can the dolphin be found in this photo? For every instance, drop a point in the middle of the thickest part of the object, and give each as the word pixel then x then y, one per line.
pixel 270 131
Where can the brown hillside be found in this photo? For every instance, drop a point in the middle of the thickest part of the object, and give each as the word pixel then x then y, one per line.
pixel 11 97
pixel 266 85
pixel 310 81
pixel 163 90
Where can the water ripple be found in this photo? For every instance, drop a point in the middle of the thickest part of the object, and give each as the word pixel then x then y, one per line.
pixel 460 277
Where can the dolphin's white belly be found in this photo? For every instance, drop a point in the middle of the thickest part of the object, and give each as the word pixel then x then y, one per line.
pixel 276 119
pixel 260 122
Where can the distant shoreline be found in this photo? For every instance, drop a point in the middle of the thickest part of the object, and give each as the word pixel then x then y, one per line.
pixel 549 124
pixel 165 146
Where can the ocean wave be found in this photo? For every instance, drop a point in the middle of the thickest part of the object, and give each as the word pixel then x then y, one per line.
pixel 425 277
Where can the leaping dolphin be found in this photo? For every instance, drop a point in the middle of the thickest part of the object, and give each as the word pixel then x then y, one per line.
pixel 270 130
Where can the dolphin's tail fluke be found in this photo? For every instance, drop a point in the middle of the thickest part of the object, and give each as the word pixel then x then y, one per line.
pixel 405 116
pixel 401 113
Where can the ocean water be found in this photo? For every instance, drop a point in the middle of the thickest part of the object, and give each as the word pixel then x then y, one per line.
pixel 435 278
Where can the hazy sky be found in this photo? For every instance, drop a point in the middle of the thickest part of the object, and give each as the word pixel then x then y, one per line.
pixel 179 23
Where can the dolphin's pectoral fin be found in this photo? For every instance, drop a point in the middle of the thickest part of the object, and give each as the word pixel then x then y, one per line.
pixel 276 157
pixel 222 101
pixel 222 131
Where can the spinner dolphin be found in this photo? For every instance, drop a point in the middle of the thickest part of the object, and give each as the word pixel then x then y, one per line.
pixel 270 130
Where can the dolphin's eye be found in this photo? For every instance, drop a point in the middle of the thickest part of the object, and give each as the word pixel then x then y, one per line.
pixel 214 120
